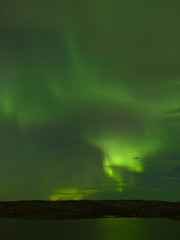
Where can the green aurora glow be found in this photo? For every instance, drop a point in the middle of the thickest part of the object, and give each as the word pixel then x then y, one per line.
pixel 89 100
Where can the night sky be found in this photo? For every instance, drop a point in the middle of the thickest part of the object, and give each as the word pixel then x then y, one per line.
pixel 89 99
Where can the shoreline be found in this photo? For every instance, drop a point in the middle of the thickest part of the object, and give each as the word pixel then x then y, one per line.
pixel 86 209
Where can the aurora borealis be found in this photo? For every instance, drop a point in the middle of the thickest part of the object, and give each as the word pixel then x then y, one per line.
pixel 89 100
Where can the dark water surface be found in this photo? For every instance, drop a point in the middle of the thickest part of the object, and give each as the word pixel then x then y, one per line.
pixel 90 229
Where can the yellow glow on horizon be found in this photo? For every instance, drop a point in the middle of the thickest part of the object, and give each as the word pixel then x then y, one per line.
pixel 71 194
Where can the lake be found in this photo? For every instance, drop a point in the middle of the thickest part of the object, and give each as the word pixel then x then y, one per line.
pixel 90 229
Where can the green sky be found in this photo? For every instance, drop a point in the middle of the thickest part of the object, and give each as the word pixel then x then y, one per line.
pixel 89 99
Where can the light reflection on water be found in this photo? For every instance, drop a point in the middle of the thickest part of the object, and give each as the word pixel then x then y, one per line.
pixel 90 229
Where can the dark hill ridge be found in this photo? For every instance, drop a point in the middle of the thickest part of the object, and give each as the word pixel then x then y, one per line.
pixel 90 209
